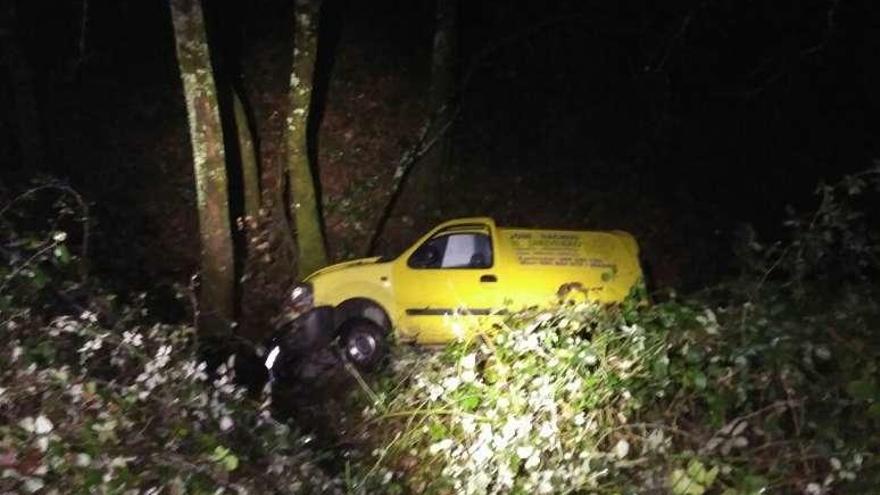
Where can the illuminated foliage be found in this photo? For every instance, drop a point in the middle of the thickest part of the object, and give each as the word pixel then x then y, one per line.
pixel 769 385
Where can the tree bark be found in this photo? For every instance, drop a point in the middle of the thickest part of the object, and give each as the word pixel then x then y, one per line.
pixel 303 205
pixel 216 303
pixel 250 170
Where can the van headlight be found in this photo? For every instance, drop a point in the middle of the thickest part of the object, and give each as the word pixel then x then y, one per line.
pixel 301 297
pixel 298 302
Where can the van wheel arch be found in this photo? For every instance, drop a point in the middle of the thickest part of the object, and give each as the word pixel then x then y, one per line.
pixel 361 308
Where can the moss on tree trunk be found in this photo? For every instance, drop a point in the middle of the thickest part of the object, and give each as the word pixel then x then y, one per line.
pixel 303 205
pixel 216 304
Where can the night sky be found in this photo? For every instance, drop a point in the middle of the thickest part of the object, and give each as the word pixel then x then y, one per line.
pixel 679 121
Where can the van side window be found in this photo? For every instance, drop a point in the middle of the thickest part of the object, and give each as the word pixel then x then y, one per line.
pixel 464 250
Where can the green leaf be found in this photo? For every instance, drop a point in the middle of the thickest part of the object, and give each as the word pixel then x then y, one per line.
pixel 861 389
pixel 230 462
pixel 754 484
pixel 682 484
pixel 660 367
pixel 437 431
pixel 694 356
pixel 219 453
pixel 225 458
pixel 93 478
pixel 62 254
pixel 698 378
pixel 470 403
pixel 709 477
pixel 40 278
pixel 695 470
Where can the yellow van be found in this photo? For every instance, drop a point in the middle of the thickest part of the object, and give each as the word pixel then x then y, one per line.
pixel 458 275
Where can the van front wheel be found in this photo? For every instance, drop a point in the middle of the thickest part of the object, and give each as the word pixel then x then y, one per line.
pixel 363 343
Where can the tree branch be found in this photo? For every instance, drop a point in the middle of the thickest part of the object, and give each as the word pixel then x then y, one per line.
pixel 83 219
pixel 441 121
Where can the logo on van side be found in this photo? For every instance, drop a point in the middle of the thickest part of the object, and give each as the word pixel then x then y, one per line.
pixel 553 249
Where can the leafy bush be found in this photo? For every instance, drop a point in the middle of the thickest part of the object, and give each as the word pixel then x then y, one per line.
pixel 836 244
pixel 95 400
pixel 84 407
pixel 676 397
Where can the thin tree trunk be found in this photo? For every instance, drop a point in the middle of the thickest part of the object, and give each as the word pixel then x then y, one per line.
pixel 443 69
pixel 443 57
pixel 303 206
pixel 216 304
pixel 423 193
pixel 250 170
pixel 442 89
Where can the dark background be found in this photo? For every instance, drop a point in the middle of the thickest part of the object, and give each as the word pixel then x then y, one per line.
pixel 679 121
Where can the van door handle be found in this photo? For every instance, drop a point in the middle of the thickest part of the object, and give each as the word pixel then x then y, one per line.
pixel 488 278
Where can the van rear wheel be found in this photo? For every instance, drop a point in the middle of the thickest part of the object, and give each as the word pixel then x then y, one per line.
pixel 363 343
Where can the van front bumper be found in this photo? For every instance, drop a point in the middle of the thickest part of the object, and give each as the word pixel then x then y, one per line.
pixel 309 332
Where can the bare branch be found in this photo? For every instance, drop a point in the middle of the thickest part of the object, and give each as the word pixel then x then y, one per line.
pixel 438 124
pixel 83 217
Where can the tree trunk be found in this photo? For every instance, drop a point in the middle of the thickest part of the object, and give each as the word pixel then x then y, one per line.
pixel 216 304
pixel 250 170
pixel 422 195
pixel 303 206
pixel 443 66
pixel 443 54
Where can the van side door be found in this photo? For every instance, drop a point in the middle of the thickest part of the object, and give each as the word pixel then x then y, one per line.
pixel 447 285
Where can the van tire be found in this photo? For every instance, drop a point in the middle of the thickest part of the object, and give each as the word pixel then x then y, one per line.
pixel 363 343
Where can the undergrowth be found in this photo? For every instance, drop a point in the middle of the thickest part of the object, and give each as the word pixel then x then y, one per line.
pixel 678 397
pixel 765 384
pixel 96 396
